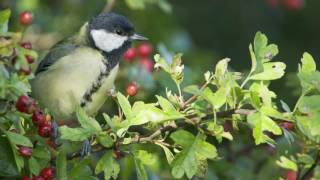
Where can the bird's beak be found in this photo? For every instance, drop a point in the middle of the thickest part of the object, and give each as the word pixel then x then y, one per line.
pixel 138 37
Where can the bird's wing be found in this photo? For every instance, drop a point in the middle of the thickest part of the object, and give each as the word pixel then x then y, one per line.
pixel 59 50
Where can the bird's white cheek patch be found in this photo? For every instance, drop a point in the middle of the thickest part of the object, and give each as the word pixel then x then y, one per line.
pixel 107 41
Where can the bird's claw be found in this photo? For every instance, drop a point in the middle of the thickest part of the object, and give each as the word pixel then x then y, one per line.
pixel 86 148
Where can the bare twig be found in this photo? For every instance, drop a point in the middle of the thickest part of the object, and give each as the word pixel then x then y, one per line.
pixel 109 5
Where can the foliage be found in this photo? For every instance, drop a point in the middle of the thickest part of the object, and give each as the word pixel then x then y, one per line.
pixel 187 125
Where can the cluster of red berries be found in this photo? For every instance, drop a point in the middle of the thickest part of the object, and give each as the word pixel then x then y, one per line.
pixel 45 174
pixel 294 5
pixel 27 105
pixel 142 52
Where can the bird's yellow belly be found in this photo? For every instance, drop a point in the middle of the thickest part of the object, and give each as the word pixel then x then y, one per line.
pixel 61 89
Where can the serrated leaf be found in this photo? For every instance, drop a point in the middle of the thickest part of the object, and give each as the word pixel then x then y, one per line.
pixel 4 18
pixel 34 166
pixel 269 111
pixel 167 152
pixel 108 165
pixel 75 134
pixel 105 140
pixel 140 169
pixel 271 71
pixel 287 163
pixel 144 157
pixel 124 104
pixel 218 98
pixel 81 169
pixel 87 122
pixel 18 139
pixel 308 63
pixel 309 104
pixel 195 150
pixel 262 123
pixel 222 67
pixel 61 170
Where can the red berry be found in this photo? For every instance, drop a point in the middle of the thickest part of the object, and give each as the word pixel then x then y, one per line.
pixel 273 3
pixel 294 4
pixel 25 151
pixel 132 89
pixel 30 59
pixel 130 54
pixel 147 64
pixel 38 117
pixel 38 178
pixel 45 130
pixel 145 50
pixel 25 104
pixel 52 144
pixel 287 125
pixel 26 18
pixel 26 45
pixel 291 175
pixel 24 178
pixel 47 173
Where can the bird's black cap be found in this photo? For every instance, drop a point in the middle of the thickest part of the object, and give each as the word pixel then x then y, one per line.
pixel 112 22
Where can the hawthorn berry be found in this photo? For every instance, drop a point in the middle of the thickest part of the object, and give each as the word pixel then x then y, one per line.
pixel 25 151
pixel 47 173
pixel 132 89
pixel 147 64
pixel 26 45
pixel 30 59
pixel 38 117
pixel 294 4
pixel 25 104
pixel 290 175
pixel 144 50
pixel 45 130
pixel 26 18
pixel 287 125
pixel 38 178
pixel 24 178
pixel 130 54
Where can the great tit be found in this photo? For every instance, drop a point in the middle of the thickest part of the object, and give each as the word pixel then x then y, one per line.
pixel 80 70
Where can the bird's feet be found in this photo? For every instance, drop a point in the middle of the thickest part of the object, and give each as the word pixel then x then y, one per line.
pixel 86 148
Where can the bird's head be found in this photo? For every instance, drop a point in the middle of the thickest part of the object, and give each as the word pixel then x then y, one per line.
pixel 112 32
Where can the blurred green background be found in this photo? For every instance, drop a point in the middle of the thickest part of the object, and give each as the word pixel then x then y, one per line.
pixel 205 31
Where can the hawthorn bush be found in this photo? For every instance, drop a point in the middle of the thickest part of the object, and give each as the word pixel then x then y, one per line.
pixel 181 130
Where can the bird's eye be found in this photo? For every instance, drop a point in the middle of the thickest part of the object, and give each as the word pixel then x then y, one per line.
pixel 119 32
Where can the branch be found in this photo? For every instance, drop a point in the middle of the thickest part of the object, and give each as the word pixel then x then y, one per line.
pixel 309 171
pixel 109 5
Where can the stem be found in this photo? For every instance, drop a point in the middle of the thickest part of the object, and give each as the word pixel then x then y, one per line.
pixel 195 96
pixel 309 171
pixel 246 80
pixel 300 98
pixel 109 6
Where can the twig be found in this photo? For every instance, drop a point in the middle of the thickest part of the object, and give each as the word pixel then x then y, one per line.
pixel 109 5
pixel 309 171
pixel 195 96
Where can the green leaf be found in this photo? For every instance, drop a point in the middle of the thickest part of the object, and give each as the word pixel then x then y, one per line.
pixel 41 152
pixel 192 89
pixel 161 63
pixel 287 163
pixel 105 140
pixel 135 4
pixel 108 165
pixel 141 171
pixel 4 18
pixel 87 122
pixel 61 170
pixel 18 139
pixel 271 71
pixel 308 63
pixel 167 152
pixel 222 67
pixel 166 105
pixel 144 157
pixel 309 104
pixel 34 166
pixel 81 170
pixel 124 104
pixel 75 134
pixel 270 111
pixel 195 150
pixel 262 123
pixel 218 98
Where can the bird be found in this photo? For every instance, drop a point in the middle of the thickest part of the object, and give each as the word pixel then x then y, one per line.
pixel 81 69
